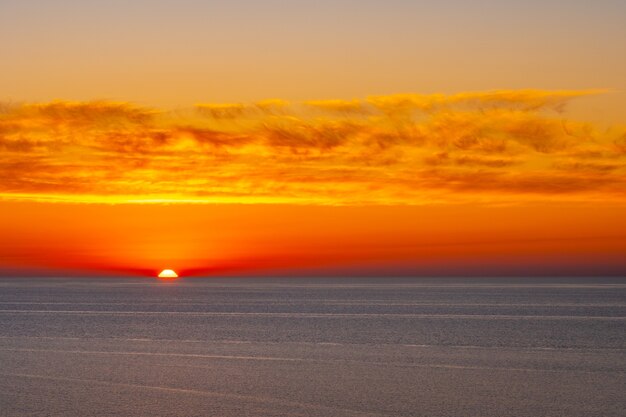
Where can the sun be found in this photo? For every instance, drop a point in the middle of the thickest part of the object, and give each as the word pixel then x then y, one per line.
pixel 168 273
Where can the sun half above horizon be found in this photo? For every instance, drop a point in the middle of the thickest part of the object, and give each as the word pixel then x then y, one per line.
pixel 168 273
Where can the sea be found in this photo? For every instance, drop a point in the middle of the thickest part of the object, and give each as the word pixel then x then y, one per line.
pixel 236 347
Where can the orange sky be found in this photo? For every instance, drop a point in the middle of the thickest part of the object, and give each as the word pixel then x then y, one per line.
pixel 539 239
pixel 498 183
pixel 297 138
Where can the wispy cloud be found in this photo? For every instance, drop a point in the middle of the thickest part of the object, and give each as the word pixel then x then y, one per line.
pixel 501 146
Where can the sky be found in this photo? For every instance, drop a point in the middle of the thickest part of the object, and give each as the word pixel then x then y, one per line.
pixel 301 138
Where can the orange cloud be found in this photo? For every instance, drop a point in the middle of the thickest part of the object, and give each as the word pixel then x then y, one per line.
pixel 502 146
pixel 345 106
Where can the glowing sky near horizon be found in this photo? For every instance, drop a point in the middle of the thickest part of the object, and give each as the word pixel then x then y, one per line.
pixel 303 138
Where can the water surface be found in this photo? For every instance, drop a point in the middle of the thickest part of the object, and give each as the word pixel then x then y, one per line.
pixel 313 347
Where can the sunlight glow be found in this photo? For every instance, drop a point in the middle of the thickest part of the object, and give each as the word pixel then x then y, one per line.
pixel 168 273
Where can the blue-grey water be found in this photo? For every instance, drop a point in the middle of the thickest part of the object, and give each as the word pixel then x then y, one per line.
pixel 313 347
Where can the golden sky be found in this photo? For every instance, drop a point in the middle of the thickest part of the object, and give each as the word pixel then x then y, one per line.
pixel 302 138
pixel 171 54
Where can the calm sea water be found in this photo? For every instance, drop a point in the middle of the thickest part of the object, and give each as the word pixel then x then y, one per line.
pixel 313 347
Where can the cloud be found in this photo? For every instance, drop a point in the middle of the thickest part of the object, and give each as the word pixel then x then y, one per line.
pixel 341 106
pixel 502 146
pixel 222 110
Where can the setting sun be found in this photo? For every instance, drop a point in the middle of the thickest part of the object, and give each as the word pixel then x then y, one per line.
pixel 168 273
